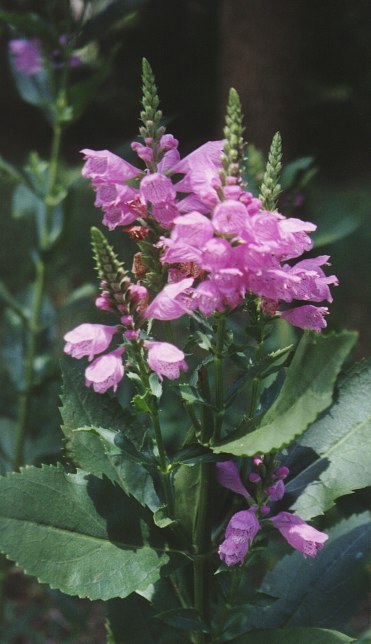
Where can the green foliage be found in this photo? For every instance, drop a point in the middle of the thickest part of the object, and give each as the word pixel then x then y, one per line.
pixel 325 591
pixel 342 440
pixel 270 187
pixel 105 21
pixel 84 539
pixel 306 392
pixel 293 636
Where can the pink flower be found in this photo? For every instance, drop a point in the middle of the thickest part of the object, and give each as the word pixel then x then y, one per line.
pixel 276 491
pixel 299 534
pixel 281 472
pixel 229 217
pixel 156 188
pixel 307 317
pixel 88 340
pixel 172 302
pixel 103 166
pixel 228 476
pixel 239 534
pixel 165 359
pixel 27 55
pixel 105 372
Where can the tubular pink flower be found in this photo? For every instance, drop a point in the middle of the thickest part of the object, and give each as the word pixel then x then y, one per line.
pixel 240 532
pixel 299 534
pixel 307 317
pixel 156 188
pixel 217 254
pixel 105 372
pixel 281 472
pixel 172 302
pixel 103 166
pixel 27 55
pixel 88 340
pixel 165 359
pixel 228 476
pixel 229 217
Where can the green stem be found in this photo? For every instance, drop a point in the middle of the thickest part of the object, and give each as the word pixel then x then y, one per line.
pixel 219 377
pixel 155 418
pixel 34 324
pixel 201 548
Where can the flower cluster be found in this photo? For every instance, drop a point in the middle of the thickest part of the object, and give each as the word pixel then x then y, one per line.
pixel 28 57
pixel 244 525
pixel 107 370
pixel 234 245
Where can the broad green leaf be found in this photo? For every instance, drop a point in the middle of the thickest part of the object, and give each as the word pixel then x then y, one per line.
pixel 306 392
pixel 293 636
pixel 82 407
pixel 342 439
pixel 130 475
pixel 324 591
pixel 187 619
pixel 75 533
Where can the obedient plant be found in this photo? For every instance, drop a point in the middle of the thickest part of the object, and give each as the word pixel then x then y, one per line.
pixel 172 507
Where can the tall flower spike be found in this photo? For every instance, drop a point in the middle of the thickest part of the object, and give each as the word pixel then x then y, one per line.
pixel 233 150
pixel 114 278
pixel 270 187
pixel 150 115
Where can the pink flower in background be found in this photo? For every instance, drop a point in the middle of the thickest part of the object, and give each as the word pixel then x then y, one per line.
pixel 89 340
pixel 307 317
pixel 105 372
pixel 27 55
pixel 228 476
pixel 299 534
pixel 165 359
pixel 240 532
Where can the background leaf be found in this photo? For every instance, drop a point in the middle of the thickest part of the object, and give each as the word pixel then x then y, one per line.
pixel 293 636
pixel 83 538
pixel 306 392
pixel 342 439
pixel 323 592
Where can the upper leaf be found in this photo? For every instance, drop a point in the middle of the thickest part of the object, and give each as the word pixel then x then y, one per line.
pixel 306 392
pixel 75 533
pixel 342 439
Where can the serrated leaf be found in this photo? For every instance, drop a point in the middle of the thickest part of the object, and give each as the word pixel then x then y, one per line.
pixel 306 392
pixel 140 402
pixel 82 407
pixel 293 636
pixel 324 591
pixel 75 534
pixel 342 439
pixel 112 462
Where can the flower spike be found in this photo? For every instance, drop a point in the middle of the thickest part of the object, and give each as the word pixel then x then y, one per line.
pixel 270 187
pixel 150 115
pixel 234 143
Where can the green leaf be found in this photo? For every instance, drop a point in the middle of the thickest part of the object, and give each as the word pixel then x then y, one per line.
pixel 104 21
pixel 75 533
pixel 187 619
pixel 155 385
pixel 186 486
pixel 324 591
pixel 291 171
pixel 140 402
pixel 30 24
pixel 161 517
pixel 342 439
pixel 293 636
pixel 82 407
pixel 130 475
pixel 306 392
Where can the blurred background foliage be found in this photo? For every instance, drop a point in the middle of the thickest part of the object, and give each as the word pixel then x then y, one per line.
pixel 301 67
